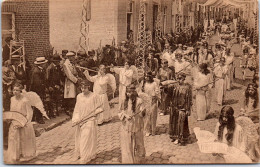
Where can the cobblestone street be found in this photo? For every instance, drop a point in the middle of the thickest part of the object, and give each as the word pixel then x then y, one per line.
pixel 57 146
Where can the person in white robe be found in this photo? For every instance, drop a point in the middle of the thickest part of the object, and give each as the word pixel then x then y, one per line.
pixel 88 105
pixel 229 63
pixel 220 73
pixel 151 88
pixel 132 137
pixel 202 86
pixel 180 64
pixel 167 56
pixel 125 79
pixel 21 139
pixel 101 81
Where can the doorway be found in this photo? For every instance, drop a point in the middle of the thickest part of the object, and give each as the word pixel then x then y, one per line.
pixel 155 14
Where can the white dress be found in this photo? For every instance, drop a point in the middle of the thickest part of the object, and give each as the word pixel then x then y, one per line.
pixel 21 141
pixel 201 99
pixel 229 76
pixel 86 135
pixel 125 79
pixel 153 91
pixel 100 88
pixel 220 84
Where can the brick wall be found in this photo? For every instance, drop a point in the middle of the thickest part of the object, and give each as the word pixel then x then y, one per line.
pixel 32 24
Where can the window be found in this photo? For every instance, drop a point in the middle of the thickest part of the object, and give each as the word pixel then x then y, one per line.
pixel 130 19
pixel 8 25
pixel 164 19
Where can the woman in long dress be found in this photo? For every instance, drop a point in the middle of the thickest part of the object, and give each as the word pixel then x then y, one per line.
pixel 132 137
pixel 202 84
pixel 21 140
pixel 100 87
pixel 126 76
pixel 220 72
pixel 152 89
pixel 229 62
pixel 87 104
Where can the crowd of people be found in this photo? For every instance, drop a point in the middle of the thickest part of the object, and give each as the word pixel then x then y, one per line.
pixel 181 70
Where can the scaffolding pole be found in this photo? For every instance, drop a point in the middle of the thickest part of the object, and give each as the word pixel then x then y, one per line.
pixel 141 38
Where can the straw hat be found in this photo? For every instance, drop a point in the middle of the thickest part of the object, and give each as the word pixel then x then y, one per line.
pixel 40 60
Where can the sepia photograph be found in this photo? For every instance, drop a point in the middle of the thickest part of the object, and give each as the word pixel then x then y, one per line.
pixel 130 82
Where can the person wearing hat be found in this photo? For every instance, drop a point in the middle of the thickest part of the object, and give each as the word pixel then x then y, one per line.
pixel 181 109
pixel 54 83
pixel 220 71
pixel 38 85
pixel 87 104
pixel 71 80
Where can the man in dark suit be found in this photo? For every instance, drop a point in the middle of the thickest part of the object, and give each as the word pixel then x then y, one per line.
pixel 38 85
pixel 54 80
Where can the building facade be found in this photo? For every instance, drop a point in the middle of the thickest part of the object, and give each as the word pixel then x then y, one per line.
pixel 109 19
pixel 28 21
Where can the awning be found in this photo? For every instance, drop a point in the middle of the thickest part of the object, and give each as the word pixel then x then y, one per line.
pixel 227 3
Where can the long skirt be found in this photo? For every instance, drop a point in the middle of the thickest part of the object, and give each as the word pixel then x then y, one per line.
pixel 165 102
pixel 201 105
pixel 86 141
pixel 183 127
pixel 220 90
pixel 151 118
pixel 106 115
pixel 21 143
pixel 178 126
pixel 209 97
pixel 229 77
pixel 122 91
pixel 132 146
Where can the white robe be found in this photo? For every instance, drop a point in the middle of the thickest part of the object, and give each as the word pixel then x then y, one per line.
pixel 169 58
pixel 201 98
pixel 21 141
pixel 220 84
pixel 100 88
pixel 125 79
pixel 86 135
pixel 229 76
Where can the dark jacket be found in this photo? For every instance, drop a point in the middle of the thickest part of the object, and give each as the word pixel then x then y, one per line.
pixel 53 75
pixel 38 81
